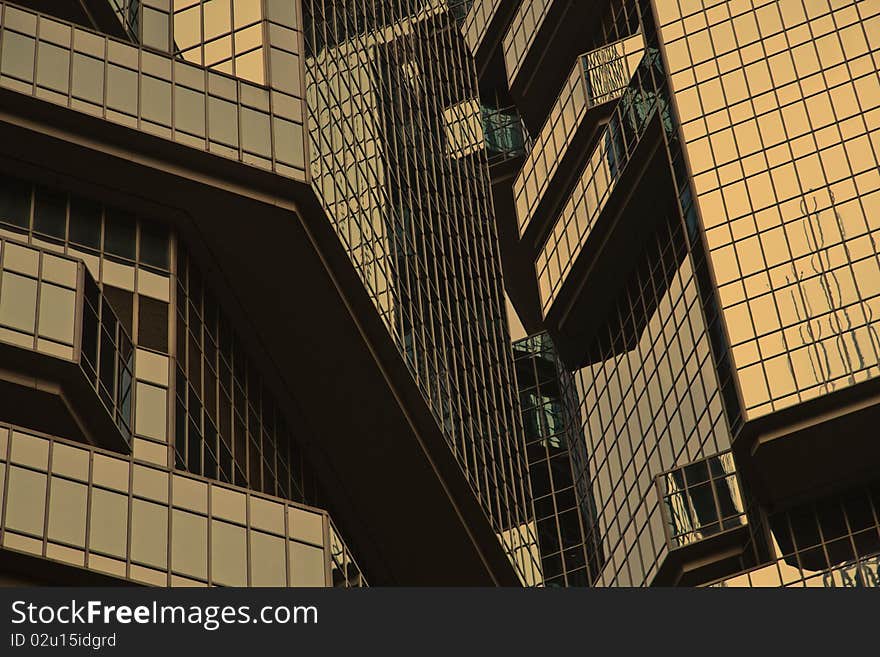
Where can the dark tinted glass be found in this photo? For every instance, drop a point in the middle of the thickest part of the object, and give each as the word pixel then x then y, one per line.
pixel 119 234
pixel 50 208
pixel 152 324
pixel 85 222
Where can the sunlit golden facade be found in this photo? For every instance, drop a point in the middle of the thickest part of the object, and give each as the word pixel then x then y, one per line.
pixel 701 228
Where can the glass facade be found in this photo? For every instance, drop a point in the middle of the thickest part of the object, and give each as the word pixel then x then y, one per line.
pixel 748 290
pixel 415 217
pixel 779 106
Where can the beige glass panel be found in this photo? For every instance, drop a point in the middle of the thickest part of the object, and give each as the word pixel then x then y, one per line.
pixel 108 524
pixel 306 526
pixel 306 565
pixel 149 533
pixel 268 566
pixel 18 302
pixel 26 501
pixel 57 313
pixel 189 543
pixel 70 461
pixel 228 554
pixel 67 512
pixel 151 411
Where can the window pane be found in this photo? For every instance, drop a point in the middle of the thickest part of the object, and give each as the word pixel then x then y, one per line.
pixel 306 565
pixel 151 413
pixel 119 234
pixel 88 78
pixel 223 121
pixel 189 109
pixel 67 512
pixel 15 202
pixel 26 503
pixel 154 245
pixel 155 30
pixel 109 522
pixel 85 222
pixel 53 64
pixel 57 310
pixel 122 89
pixel 255 132
pixel 18 302
pixel 149 533
pixel 50 208
pixel 18 56
pixel 156 100
pixel 267 560
pixel 189 544
pixel 228 554
pixel 152 324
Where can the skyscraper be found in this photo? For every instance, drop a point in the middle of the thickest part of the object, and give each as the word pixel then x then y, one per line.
pixel 694 226
pixel 251 309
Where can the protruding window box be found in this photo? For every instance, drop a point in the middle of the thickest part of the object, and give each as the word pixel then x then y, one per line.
pixel 67 361
pixel 704 514
pixel 588 97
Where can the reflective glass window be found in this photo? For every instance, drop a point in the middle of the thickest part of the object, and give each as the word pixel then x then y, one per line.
pixel 26 501
pixel 18 302
pixel 85 222
pixel 67 512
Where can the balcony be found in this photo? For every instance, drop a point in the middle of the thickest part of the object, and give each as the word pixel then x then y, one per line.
pixel 588 97
pixel 67 360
